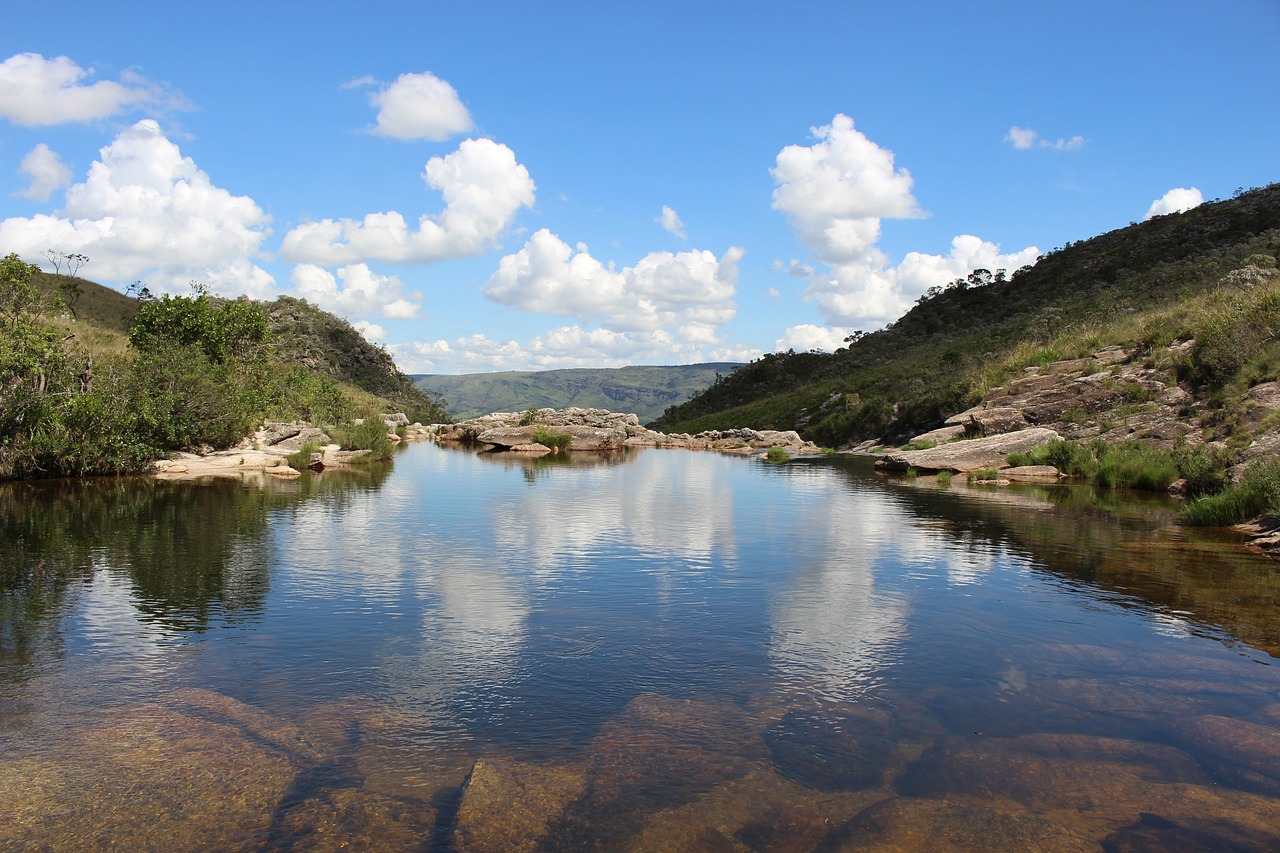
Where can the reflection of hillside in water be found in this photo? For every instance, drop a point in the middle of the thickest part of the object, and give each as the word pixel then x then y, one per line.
pixel 1128 544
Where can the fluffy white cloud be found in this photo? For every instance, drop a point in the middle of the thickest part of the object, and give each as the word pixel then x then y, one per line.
pixel 807 337
pixel 418 106
pixel 363 293
pixel 1024 139
pixel 35 91
pixel 662 291
pixel 371 331
pixel 835 193
pixel 569 346
pixel 483 187
pixel 1175 201
pixel 47 172
pixel 146 212
pixel 671 221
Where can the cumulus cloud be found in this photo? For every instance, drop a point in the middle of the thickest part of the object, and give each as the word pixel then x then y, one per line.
pixel 807 337
pixel 417 106
pixel 47 172
pixel 835 193
pixel 371 331
pixel 1175 201
pixel 1024 139
pixel 363 293
pixel 146 212
pixel 36 92
pixel 483 187
pixel 670 220
pixel 568 346
pixel 661 291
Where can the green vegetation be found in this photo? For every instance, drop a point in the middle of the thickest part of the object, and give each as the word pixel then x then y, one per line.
pixel 556 441
pixel 1258 492
pixel 983 475
pixel 530 415
pixel 96 382
pixel 1132 464
pixel 367 433
pixel 1175 277
pixel 644 390
pixel 301 460
pixel 944 479
pixel 777 454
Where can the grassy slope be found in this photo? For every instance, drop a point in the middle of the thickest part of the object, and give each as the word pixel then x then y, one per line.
pixel 300 334
pixel 942 355
pixel 644 390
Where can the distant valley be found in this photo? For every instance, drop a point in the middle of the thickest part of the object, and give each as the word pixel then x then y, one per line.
pixel 645 390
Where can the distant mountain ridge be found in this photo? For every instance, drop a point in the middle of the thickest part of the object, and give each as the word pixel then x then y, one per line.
pixel 645 390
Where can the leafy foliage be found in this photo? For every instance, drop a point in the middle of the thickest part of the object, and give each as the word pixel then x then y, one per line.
pixel 557 441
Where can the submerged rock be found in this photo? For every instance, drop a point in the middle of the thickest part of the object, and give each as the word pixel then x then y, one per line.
pixel 508 805
pixel 963 456
pixel 941 826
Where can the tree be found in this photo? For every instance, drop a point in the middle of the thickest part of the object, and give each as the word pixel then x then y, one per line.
pixel 29 347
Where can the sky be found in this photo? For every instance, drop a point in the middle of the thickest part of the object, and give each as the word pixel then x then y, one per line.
pixel 520 186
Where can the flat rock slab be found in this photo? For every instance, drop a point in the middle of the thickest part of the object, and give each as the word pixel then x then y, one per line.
pixel 963 456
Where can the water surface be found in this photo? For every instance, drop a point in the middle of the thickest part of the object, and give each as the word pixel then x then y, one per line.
pixel 655 650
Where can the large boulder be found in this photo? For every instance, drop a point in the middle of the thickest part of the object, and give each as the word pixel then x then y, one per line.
pixel 963 456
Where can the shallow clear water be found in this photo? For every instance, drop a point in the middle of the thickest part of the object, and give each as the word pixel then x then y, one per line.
pixel 656 650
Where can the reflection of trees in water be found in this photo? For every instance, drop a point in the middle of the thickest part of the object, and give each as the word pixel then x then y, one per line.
pixel 1126 544
pixel 193 554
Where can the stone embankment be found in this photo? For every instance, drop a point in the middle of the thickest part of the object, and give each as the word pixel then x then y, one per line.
pixel 266 452
pixel 592 430
pixel 1114 395
pixel 600 430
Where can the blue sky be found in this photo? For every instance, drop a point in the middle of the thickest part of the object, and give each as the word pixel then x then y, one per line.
pixel 491 186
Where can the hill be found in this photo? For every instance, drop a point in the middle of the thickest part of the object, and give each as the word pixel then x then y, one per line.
pixel 643 390
pixel 93 381
pixel 1139 287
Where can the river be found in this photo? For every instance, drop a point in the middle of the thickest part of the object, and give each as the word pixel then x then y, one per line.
pixel 653 650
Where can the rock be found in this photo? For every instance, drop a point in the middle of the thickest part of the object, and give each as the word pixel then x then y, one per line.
pixel 396 419
pixel 1152 832
pixel 508 805
pixel 282 471
pixel 530 449
pixel 830 752
pixel 1032 474
pixel 937 436
pixel 309 435
pixel 1245 752
pixel 910 825
pixel 964 456
pixel 273 433
pixel 995 421
pixel 351 819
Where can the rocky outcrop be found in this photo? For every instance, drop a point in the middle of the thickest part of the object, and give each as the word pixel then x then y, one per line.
pixel 972 455
pixel 600 430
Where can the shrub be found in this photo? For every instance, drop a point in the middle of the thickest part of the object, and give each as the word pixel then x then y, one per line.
pixel 1204 469
pixel 370 434
pixel 1258 492
pixel 555 441
pixel 944 478
pixel 529 417
pixel 777 454
pixel 983 474
pixel 301 460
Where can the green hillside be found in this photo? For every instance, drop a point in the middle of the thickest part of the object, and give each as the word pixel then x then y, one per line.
pixel 1135 286
pixel 644 390
pixel 93 381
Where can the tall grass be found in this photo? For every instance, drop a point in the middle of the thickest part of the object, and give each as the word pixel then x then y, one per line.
pixel 1258 492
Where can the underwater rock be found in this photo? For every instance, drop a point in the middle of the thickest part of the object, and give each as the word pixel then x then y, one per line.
pixel 508 805
pixel 908 825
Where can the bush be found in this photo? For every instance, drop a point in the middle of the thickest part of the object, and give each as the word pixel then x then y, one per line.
pixel 370 434
pixel 1257 493
pixel 555 441
pixel 983 474
pixel 301 460
pixel 944 478
pixel 777 454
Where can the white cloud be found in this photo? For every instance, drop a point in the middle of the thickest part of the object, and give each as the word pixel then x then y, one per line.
pixel 35 92
pixel 835 193
pixel 569 346
pixel 1024 139
pixel 483 187
pixel 145 211
pixel 363 293
pixel 662 290
pixel 47 172
pixel 417 106
pixel 670 220
pixel 1175 201
pixel 371 331
pixel 807 337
